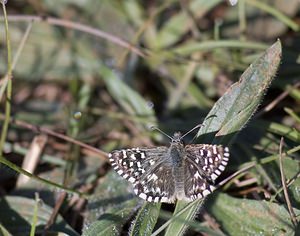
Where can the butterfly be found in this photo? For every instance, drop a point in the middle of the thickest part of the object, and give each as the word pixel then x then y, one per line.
pixel 177 172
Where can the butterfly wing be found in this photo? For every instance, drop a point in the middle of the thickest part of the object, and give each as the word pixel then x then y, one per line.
pixel 149 170
pixel 203 164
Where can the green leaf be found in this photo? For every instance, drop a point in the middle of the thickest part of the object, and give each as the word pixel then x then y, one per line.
pixel 17 212
pixel 112 206
pixel 251 217
pixel 232 111
pixel 145 220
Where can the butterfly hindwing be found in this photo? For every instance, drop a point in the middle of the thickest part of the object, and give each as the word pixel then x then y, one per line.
pixel 210 159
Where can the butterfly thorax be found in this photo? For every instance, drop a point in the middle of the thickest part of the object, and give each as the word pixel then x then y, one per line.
pixel 177 153
pixel 176 150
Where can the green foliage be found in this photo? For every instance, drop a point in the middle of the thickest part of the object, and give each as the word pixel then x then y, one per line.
pixel 17 212
pixel 251 217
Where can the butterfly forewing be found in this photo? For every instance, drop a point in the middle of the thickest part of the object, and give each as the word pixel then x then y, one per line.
pixel 148 169
pixel 195 184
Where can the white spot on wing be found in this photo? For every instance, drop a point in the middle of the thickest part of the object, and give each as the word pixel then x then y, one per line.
pixel 143 196
pixel 206 192
pixel 215 149
pixel 132 156
pixel 214 176
pixel 197 175
pixel 224 163
pixel 124 154
pixel 221 168
pixel 153 177
pixel 131 180
pixel 152 162
pixel 226 154
pixel 201 152
pixel 208 153
pixel 164 199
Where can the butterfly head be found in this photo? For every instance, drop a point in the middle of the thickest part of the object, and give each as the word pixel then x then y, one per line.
pixel 177 137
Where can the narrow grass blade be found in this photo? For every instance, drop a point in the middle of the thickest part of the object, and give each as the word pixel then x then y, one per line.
pixel 178 227
pixel 129 99
pixel 145 220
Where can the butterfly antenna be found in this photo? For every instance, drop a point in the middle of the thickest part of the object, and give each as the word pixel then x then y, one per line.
pixel 196 127
pixel 155 128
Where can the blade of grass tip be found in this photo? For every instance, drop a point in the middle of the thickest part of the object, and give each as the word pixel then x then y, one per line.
pixel 187 215
pixel 283 181
pixel 9 84
pixel 145 220
pixel 35 214
pixel 232 111
pixel 181 211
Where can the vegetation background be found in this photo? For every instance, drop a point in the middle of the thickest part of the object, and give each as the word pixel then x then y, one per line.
pixel 82 78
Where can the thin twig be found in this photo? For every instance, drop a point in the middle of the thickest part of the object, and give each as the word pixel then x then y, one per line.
pixel 270 106
pixel 43 130
pixel 223 182
pixel 283 181
pixel 58 204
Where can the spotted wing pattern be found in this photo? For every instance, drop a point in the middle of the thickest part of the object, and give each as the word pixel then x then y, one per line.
pixel 152 170
pixel 149 170
pixel 203 164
